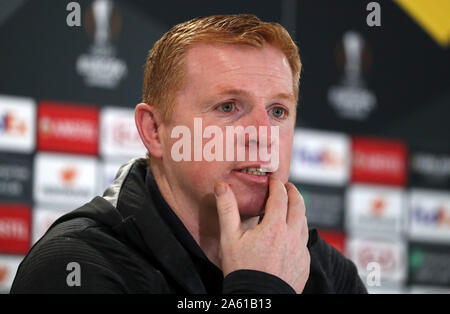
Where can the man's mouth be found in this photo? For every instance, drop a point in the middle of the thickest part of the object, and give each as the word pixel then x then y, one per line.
pixel 255 171
pixel 253 174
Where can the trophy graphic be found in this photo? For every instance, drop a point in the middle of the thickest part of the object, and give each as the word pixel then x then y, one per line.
pixel 350 98
pixel 353 44
pixel 102 13
pixel 100 67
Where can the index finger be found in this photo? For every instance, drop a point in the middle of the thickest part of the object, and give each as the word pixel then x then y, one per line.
pixel 296 206
pixel 276 205
pixel 227 211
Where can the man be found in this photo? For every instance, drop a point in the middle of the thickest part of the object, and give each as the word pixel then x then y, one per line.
pixel 196 225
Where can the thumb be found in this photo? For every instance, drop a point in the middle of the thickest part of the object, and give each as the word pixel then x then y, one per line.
pixel 228 212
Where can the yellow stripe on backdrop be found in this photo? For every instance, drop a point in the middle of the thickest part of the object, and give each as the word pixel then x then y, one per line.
pixel 432 15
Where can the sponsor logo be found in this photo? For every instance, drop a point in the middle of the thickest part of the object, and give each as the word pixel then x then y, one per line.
pixel 17 124
pixel 8 269
pixel 436 217
pixel 377 161
pixel 375 210
pixel 428 264
pixel 12 125
pixel 430 215
pixel 14 228
pixel 3 273
pixel 123 134
pixel 323 157
pixel 15 177
pixel 389 255
pixel 430 170
pixel 320 157
pixel 351 99
pixel 432 165
pixel 68 175
pixel 119 136
pixel 382 256
pixel 67 128
pixel 325 206
pixel 64 179
pixel 100 67
pixel 377 207
pixel 376 215
pixel 43 218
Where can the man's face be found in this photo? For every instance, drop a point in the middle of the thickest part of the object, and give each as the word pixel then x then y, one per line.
pixel 231 85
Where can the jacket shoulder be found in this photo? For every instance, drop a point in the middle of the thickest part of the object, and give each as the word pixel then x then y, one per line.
pixel 331 271
pixel 80 255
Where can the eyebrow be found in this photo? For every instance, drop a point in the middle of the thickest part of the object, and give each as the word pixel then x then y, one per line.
pixel 238 91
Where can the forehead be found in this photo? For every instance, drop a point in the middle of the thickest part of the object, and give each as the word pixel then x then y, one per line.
pixel 236 65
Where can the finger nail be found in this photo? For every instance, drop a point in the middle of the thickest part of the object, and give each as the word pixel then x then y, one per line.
pixel 220 189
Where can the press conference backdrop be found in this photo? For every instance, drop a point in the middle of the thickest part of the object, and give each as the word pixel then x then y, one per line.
pixel 371 151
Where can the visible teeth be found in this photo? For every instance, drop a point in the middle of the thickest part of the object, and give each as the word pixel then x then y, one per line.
pixel 255 171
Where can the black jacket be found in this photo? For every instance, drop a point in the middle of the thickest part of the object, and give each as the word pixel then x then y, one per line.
pixel 125 242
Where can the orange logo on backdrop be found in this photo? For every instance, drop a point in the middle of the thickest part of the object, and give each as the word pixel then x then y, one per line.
pixel 68 175
pixel 377 207
pixel 3 273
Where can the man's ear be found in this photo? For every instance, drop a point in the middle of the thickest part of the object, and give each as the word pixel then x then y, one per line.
pixel 148 122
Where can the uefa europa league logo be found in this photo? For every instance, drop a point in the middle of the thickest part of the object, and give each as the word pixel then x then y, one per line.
pixel 102 13
pixel 103 23
pixel 100 67
pixel 350 98
pixel 353 44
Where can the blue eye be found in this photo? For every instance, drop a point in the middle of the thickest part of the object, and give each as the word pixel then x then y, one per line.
pixel 227 107
pixel 278 112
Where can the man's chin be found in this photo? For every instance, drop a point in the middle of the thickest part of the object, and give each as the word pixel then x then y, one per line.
pixel 251 208
pixel 251 201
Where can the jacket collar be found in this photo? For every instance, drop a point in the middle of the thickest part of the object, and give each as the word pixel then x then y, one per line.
pixel 130 195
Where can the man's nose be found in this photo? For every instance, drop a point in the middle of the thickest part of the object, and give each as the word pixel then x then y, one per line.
pixel 259 119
